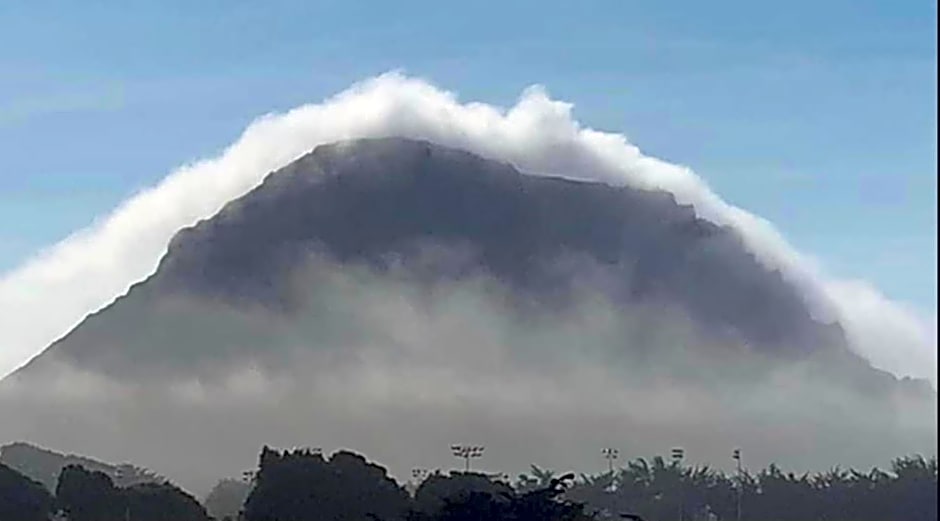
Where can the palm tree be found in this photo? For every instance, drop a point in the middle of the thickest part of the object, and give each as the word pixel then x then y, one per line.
pixel 538 478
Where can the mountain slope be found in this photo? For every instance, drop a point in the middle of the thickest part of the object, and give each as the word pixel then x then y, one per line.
pixel 396 296
pixel 44 466
pixel 386 202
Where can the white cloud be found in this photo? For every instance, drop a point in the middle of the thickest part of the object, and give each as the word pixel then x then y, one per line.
pixel 50 293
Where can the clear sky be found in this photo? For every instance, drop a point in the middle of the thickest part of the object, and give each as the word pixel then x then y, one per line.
pixel 820 116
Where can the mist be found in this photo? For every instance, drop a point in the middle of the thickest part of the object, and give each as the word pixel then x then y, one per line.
pixel 52 292
pixel 399 369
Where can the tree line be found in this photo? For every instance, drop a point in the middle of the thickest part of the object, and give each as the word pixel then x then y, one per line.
pixel 302 485
pixel 658 490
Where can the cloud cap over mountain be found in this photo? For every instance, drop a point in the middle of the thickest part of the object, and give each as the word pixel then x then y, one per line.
pixel 443 216
pixel 52 292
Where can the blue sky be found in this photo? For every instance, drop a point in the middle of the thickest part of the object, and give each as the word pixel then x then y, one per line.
pixel 820 116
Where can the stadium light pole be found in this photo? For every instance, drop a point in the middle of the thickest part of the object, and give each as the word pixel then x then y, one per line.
pixel 610 455
pixel 736 455
pixel 677 454
pixel 119 475
pixel 466 453
pixel 418 475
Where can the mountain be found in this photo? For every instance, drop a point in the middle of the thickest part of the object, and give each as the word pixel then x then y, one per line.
pixel 395 296
pixel 44 466
pixel 386 202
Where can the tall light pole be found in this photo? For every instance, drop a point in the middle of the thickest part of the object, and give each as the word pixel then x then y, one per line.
pixel 610 455
pixel 466 453
pixel 417 478
pixel 120 474
pixel 736 455
pixel 418 475
pixel 677 454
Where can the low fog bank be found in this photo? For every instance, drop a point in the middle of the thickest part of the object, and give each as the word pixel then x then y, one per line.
pixel 400 369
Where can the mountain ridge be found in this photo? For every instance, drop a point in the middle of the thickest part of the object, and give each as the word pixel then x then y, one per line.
pixel 360 200
pixel 44 465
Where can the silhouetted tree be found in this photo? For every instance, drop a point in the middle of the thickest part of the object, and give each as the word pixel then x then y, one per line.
pixel 535 479
pixel 916 486
pixel 654 490
pixel 84 495
pixel 438 490
pixel 161 502
pixel 302 485
pixel 495 504
pixel 21 498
